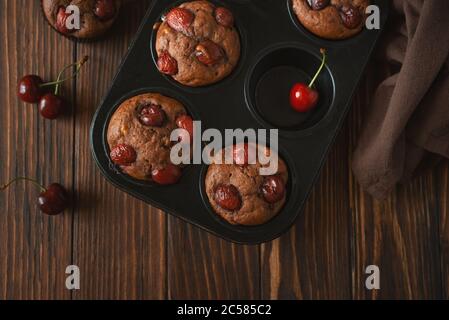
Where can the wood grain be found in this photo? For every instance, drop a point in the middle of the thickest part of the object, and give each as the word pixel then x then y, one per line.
pixel 399 235
pixel 202 266
pixel 312 261
pixel 119 242
pixel 34 249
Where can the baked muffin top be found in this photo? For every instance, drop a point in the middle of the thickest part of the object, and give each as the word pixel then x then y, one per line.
pixel 96 16
pixel 241 195
pixel 332 19
pixel 139 134
pixel 197 43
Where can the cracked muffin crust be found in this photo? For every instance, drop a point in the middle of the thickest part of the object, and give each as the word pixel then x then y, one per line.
pixel 97 16
pixel 332 19
pixel 241 196
pixel 139 136
pixel 197 43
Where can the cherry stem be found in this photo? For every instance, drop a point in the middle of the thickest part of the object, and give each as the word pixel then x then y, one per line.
pixel 58 81
pixel 323 63
pixel 37 184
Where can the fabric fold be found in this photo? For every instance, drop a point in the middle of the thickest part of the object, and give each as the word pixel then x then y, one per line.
pixel 409 113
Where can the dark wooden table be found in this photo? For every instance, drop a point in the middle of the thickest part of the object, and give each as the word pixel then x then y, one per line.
pixel 128 250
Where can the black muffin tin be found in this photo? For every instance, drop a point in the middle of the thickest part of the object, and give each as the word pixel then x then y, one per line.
pixel 276 52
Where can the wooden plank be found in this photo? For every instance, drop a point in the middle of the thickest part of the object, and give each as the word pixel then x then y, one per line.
pixel 34 249
pixel 443 188
pixel 312 261
pixel 400 235
pixel 202 266
pixel 119 242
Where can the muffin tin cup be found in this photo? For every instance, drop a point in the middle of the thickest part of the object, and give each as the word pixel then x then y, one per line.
pixel 273 46
pixel 268 83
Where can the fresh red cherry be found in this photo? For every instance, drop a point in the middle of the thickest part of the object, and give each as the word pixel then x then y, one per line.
pixel 52 200
pixel 105 9
pixel 273 189
pixel 29 88
pixel 304 98
pixel 61 21
pixel 168 175
pixel 51 106
pixel 185 122
pixel 152 115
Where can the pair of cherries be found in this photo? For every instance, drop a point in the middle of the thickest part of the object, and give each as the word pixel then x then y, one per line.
pixel 32 89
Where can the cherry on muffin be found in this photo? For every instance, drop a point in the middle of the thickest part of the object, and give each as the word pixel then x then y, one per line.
pixel 208 52
pixel 224 17
pixel 167 64
pixel 273 189
pixel 52 200
pixel 123 155
pixel 180 19
pixel 244 154
pixel 185 122
pixel 168 175
pixel 303 97
pixel 228 197
pixel 318 4
pixel 61 21
pixel 350 16
pixel 31 89
pixel 105 9
pixel 152 115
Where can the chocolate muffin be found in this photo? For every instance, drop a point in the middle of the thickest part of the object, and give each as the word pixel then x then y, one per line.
pixel 96 16
pixel 139 137
pixel 332 19
pixel 197 43
pixel 241 195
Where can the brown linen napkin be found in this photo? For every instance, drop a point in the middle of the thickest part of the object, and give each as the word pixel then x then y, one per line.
pixel 409 114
